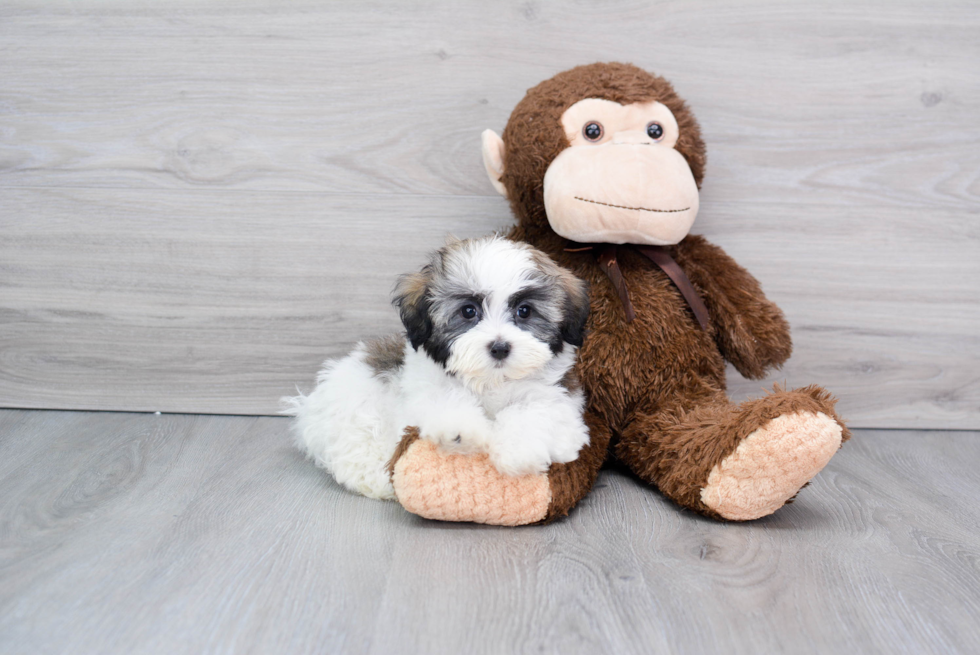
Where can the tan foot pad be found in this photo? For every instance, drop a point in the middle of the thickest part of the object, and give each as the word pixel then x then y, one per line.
pixel 771 465
pixel 450 487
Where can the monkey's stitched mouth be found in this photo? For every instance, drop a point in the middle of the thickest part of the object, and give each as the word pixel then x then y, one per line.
pixel 639 209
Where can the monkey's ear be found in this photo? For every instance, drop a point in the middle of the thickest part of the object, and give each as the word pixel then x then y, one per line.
pixel 576 310
pixel 411 298
pixel 493 160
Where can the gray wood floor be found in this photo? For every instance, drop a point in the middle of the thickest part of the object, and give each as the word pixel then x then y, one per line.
pixel 135 533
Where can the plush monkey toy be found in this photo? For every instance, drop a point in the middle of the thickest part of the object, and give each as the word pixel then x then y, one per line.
pixel 602 165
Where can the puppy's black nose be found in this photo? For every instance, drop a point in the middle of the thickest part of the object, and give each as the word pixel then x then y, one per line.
pixel 499 349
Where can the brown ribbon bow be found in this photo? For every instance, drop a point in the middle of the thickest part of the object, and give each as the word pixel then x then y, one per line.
pixel 607 257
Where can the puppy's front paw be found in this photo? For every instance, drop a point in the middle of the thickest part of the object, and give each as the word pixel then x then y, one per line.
pixel 458 431
pixel 517 459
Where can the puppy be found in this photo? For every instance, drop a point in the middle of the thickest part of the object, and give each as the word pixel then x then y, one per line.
pixel 492 329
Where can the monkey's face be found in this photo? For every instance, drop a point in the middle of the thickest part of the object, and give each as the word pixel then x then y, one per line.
pixel 605 153
pixel 621 180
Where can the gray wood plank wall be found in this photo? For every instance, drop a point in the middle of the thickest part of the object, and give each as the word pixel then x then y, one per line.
pixel 199 202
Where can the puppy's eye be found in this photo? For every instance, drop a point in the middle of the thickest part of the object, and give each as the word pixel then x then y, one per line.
pixel 592 131
pixel 524 311
pixel 468 312
pixel 655 131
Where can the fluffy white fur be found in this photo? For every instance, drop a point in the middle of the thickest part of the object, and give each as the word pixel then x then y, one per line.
pixel 517 410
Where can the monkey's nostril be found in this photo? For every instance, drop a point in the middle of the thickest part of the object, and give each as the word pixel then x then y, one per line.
pixel 499 349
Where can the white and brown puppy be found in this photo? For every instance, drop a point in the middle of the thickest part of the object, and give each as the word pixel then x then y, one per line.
pixel 492 328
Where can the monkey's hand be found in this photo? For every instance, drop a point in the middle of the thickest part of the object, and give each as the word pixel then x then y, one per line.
pixel 447 486
pixel 750 330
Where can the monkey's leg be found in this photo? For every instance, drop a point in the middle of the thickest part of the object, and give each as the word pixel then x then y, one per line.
pixel 736 462
pixel 452 487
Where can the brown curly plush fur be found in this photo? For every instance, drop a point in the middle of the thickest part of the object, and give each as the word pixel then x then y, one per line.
pixel 655 386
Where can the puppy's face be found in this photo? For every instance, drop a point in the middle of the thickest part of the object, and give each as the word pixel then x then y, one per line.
pixel 491 309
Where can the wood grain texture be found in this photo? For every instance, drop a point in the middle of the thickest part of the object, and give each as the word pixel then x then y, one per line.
pixel 834 102
pixel 202 302
pixel 160 534
pixel 200 202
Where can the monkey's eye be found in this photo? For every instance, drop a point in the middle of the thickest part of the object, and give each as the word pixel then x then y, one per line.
pixel 524 311
pixel 592 131
pixel 655 131
pixel 468 312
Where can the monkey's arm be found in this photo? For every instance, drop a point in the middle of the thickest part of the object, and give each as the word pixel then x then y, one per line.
pixel 750 330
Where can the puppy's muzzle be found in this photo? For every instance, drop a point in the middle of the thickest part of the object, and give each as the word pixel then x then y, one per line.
pixel 499 350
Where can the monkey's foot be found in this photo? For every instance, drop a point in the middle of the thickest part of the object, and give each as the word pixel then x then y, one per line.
pixel 452 487
pixel 771 465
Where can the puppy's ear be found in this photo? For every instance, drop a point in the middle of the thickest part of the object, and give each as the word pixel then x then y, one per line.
pixel 411 296
pixel 576 309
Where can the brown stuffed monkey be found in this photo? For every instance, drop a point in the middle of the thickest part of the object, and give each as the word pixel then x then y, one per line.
pixel 602 166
